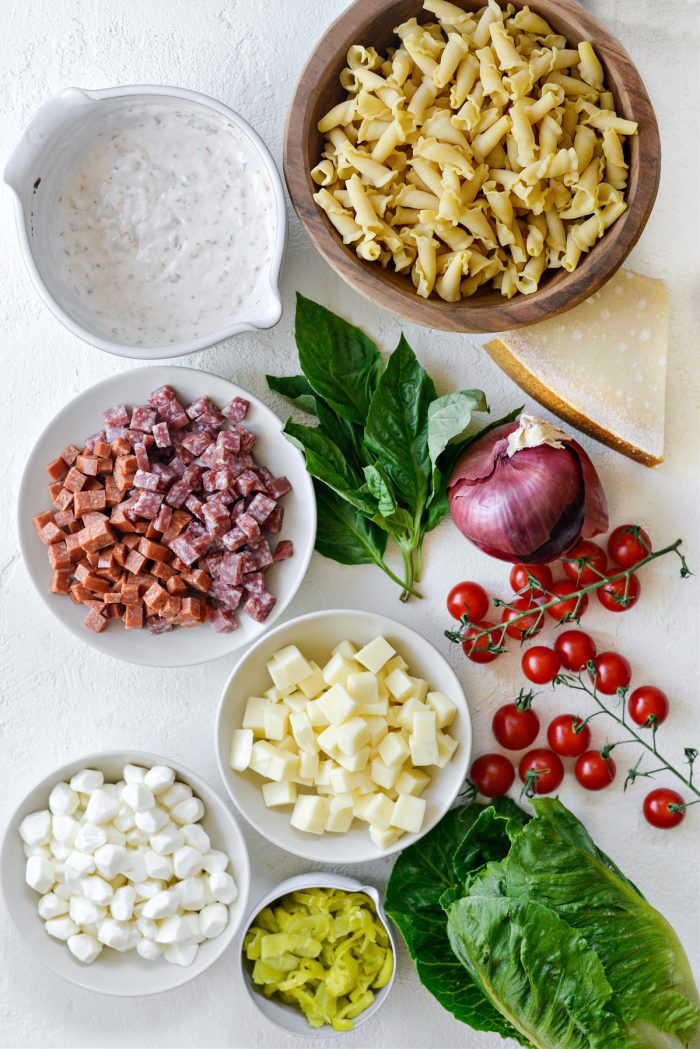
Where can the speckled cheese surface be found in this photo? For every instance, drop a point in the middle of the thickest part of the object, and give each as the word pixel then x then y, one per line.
pixel 60 699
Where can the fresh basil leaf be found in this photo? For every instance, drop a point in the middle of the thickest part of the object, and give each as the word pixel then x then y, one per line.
pixel 396 431
pixel 327 462
pixel 555 862
pixel 340 362
pixel 346 435
pixel 343 534
pixel 449 417
pixel 380 487
pixel 296 391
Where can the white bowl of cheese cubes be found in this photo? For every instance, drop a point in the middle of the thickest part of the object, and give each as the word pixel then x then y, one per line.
pixel 343 736
pixel 126 873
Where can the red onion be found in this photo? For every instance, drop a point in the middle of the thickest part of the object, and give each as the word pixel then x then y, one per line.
pixel 526 491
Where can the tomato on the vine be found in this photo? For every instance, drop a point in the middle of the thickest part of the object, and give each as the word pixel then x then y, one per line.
pixel 593 771
pixel 595 565
pixel 563 609
pixel 478 650
pixel 529 625
pixel 647 702
pixel 658 810
pixel 515 729
pixel 612 672
pixel 520 582
pixel 628 545
pixel 492 775
pixel 542 770
pixel 568 736
pixel 470 599
pixel 620 594
pixel 575 649
pixel 540 664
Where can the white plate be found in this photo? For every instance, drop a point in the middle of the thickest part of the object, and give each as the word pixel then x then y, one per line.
pixel 316 634
pixel 82 417
pixel 123 975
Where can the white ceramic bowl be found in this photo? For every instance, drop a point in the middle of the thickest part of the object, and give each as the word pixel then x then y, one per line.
pixel 61 130
pixel 124 975
pixel 316 634
pixel 83 416
pixel 287 1017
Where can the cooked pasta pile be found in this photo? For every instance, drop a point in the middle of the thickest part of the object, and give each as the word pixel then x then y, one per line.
pixel 481 149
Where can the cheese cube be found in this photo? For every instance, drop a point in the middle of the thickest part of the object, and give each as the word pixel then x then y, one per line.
pixel 424 726
pixel 384 838
pixel 273 694
pixel 395 663
pixel 360 782
pixel 352 736
pixel 384 775
pixel 275 794
pixel 288 743
pixel 378 811
pixel 337 670
pixel 405 713
pixel 378 728
pixel 399 684
pixel 364 687
pixel 327 740
pixel 287 667
pixel 337 704
pixel 276 720
pixel 254 716
pixel 412 781
pixel 323 776
pixel 423 753
pixel 446 745
pixel 241 748
pixel 444 708
pixel 260 755
pixel 354 762
pixel 310 814
pixel 282 765
pixel 360 803
pixel 303 732
pixel 420 688
pixel 308 766
pixel 345 648
pixel 314 684
pixel 374 655
pixel 340 813
pixel 341 781
pixel 393 749
pixel 408 813
pixel 315 714
pixel 379 709
pixel 296 703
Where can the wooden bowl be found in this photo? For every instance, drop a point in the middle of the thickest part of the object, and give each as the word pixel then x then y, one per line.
pixel 371 22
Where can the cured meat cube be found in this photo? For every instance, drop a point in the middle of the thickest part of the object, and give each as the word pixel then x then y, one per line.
pixel 228 596
pixel 141 453
pixel 161 570
pixel 254 582
pixel 120 445
pixel 86 501
pixel 198 579
pixel 197 442
pixel 248 440
pixel 75 481
pixel 148 504
pixel 177 494
pixel 174 414
pixel 216 518
pixel 94 620
pixel 258 559
pixel 261 507
pixel 157 625
pixel 96 536
pixel 198 407
pixel 178 522
pixel 218 479
pixel 249 526
pixel 57 469
pixel 209 457
pixel 190 611
pixel 165 515
pixel 94 583
pixel 234 539
pixel 154 551
pixel 94 439
pixel 156 597
pixel 39 520
pixel 51 533
pixel 69 454
pixel 278 487
pixel 236 410
pixel 222 621
pixel 61 580
pixel 105 466
pixel 273 523
pixel 186 551
pixel 249 482
pixel 229 441
pixel 112 493
pixel 194 505
pixel 133 617
pixel 144 479
pixel 142 419
pixel 231 568
pixel 87 464
pixel 135 562
pixel 161 396
pixel 58 555
pixel 105 560
pixel 259 606
pixel 63 518
pixel 75 550
pixel 283 550
pixel 172 608
pixel 117 416
pixel 176 585
pixel 60 496
pixel 211 419
pixel 124 469
pixel 130 593
pixel 162 436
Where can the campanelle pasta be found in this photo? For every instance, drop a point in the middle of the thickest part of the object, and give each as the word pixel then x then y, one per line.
pixel 481 149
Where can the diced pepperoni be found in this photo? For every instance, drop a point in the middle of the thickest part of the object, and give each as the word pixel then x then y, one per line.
pixel 83 502
pixel 63 518
pixel 58 555
pixel 124 469
pixel 61 580
pixel 135 562
pixel 75 481
pixel 133 616
pixel 57 469
pixel 156 597
pixel 94 620
pixel 236 410
pixel 117 416
pixel 51 533
pixel 154 551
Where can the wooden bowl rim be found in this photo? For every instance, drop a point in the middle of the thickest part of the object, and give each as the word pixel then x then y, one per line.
pixel 562 290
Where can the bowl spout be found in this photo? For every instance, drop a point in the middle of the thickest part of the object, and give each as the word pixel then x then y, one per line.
pixel 51 120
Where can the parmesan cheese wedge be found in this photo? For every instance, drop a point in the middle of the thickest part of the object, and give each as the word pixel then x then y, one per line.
pixel 601 366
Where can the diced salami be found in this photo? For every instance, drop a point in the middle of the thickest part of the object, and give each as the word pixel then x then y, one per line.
pixel 234 539
pixel 273 523
pixel 174 414
pixel 157 625
pixel 142 460
pixel 202 404
pixel 117 416
pixel 261 507
pixel 197 442
pixel 249 482
pixel 162 396
pixel 283 550
pixel 161 433
pixel 142 419
pixel 194 505
pixel 147 480
pixel 165 516
pixel 148 504
pixel 231 568
pixel 278 487
pixel 222 621
pixel 236 410
pixel 249 526
pixel 259 606
pixel 228 596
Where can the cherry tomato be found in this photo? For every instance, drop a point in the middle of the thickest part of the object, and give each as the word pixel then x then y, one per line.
pixel 540 664
pixel 647 702
pixel 515 729
pixel 625 548
pixel 574 649
pixel 478 651
pixel 611 672
pixel 492 775
pixel 529 625
pixel 546 770
pixel 469 598
pixel 519 578
pixel 620 595
pixel 595 565
pixel 593 771
pixel 657 808
pixel 562 609
pixel 565 739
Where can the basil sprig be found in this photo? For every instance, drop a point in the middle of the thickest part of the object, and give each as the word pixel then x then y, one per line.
pixel 383 445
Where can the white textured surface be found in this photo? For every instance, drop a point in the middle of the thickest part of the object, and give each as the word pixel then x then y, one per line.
pixel 61 699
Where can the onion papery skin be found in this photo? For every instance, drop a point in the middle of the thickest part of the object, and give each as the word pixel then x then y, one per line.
pixel 532 506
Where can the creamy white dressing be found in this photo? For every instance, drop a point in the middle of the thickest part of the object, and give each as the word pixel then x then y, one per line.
pixel 166 226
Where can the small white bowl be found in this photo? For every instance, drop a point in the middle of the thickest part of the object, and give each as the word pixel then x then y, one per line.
pixel 59 131
pixel 83 416
pixel 123 975
pixel 287 1017
pixel 316 634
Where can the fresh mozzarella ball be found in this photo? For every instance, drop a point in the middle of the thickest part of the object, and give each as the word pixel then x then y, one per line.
pixel 167 841
pixel 37 850
pixel 179 954
pixel 138 797
pixel 213 920
pixel 159 778
pixel 111 860
pixel 152 821
pixel 122 905
pixel 39 874
pixel 214 861
pixel 90 837
pixel 114 836
pixel 124 820
pixel 119 935
pixel 147 927
pixel 187 862
pixel 97 889
pixel 79 864
pixel 59 850
pixel 191 893
pixel 197 837
pixel 51 906
pixel 85 912
pixel 64 829
pixel 146 890
pixel 158 866
pixel 87 780
pixel 163 905
pixel 62 800
pixel 133 774
pixel 223 886
pixel 35 829
pixel 149 949
pixel 175 794
pixel 188 811
pixel 84 947
pixel 102 807
pixel 61 928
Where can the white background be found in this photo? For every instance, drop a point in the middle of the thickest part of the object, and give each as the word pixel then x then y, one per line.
pixel 61 699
